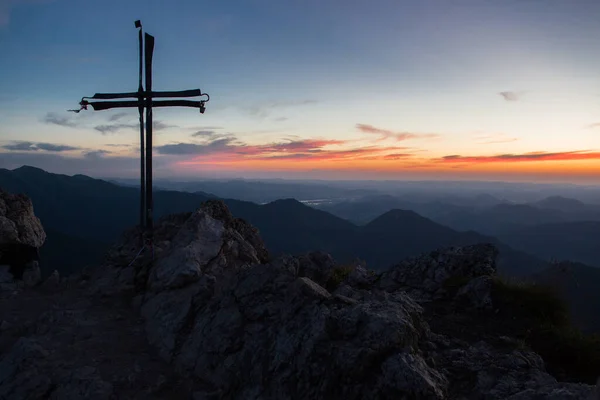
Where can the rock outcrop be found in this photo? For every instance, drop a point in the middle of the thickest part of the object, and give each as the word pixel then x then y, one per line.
pixel 235 324
pixel 21 236
pixel 244 327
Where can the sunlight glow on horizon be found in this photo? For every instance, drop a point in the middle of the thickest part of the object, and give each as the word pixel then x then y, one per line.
pixel 381 89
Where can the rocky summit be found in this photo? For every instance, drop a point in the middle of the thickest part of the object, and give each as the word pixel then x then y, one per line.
pixel 208 314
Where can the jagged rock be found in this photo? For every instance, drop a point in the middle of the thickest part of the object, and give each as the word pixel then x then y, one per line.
pixel 20 377
pixel 5 326
pixel 317 266
pixel 483 372
pixel 197 244
pixel 52 282
pixel 193 244
pixel 266 326
pixel 32 274
pixel 424 277
pixel 478 293
pixel 361 277
pixel 18 223
pixel 7 282
pixel 235 325
pixel 559 391
pixel 82 383
pixel 21 235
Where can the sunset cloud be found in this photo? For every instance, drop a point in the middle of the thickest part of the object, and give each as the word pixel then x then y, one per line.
pixel 32 146
pixel 389 134
pixel 96 153
pixel 229 149
pixel 533 156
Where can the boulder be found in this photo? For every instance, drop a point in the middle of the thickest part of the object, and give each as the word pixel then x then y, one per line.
pixel 426 277
pixel 21 236
pixel 249 329
pixel 20 374
pixel 18 223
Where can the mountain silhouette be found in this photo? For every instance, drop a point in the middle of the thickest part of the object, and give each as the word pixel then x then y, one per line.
pixel 96 212
pixel 574 241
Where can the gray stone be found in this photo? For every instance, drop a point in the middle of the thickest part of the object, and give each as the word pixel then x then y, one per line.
pixel 18 223
pixel 478 293
pixel 84 383
pixel 32 274
pixel 20 374
pixel 425 276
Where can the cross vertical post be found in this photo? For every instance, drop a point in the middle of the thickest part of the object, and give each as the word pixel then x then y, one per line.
pixel 149 51
pixel 145 100
pixel 138 24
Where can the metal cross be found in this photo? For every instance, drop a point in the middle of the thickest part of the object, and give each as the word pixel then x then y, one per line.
pixel 145 100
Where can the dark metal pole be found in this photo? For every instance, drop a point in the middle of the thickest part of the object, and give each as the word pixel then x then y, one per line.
pixel 138 24
pixel 149 49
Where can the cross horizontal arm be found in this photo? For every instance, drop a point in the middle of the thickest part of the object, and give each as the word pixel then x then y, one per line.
pixel 106 105
pixel 177 93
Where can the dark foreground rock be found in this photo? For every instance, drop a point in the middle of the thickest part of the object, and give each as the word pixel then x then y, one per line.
pixel 230 323
pixel 21 236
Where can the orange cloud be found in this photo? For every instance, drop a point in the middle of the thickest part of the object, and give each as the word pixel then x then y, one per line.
pixel 229 150
pixel 399 136
pixel 533 156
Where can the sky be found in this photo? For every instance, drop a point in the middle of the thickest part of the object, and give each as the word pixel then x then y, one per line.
pixel 314 89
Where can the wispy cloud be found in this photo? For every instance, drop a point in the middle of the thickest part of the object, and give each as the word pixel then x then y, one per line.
pixel 118 116
pixel 389 134
pixel 533 156
pixel 593 126
pixel 161 126
pixel 205 133
pixel 397 156
pixel 33 146
pixel 264 109
pixel 113 128
pixel 96 153
pixel 216 146
pixel 494 138
pixel 107 129
pixel 206 128
pixel 57 119
pixel 512 96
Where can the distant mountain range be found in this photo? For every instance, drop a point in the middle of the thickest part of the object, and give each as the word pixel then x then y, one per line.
pixel 96 212
pixel 257 191
pixel 82 216
pixel 555 227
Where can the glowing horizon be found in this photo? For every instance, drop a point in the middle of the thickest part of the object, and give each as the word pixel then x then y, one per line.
pixel 388 90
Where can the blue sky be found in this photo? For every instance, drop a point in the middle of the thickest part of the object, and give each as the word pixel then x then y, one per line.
pixel 320 89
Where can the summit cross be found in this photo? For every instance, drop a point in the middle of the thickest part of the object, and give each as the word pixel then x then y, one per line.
pixel 145 101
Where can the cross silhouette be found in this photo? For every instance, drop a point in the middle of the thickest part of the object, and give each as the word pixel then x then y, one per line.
pixel 145 101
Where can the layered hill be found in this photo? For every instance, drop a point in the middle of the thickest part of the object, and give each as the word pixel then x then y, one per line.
pixel 95 212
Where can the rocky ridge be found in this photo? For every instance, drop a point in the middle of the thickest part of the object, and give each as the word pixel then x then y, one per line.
pixel 235 324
